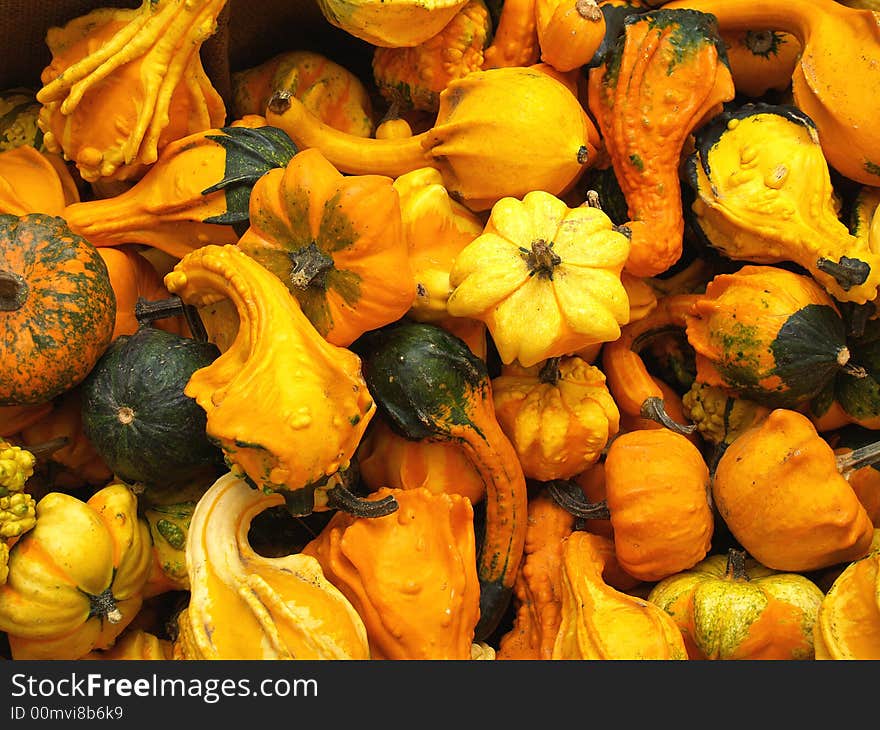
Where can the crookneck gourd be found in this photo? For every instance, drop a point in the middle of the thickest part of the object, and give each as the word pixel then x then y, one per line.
pixel 764 195
pixel 30 183
pixel 515 36
pixel 287 408
pixel 666 76
pixel 390 23
pixel 601 622
pixel 76 580
pixel 246 606
pixel 411 576
pixel 848 623
pixel 499 132
pixel 783 494
pixel 57 308
pixel 387 459
pixel 414 76
pixel 731 607
pixel 429 385
pixel 436 229
pixel 124 83
pixel 197 192
pixel 545 278
pixel 335 241
pixel 330 91
pixel 558 415
pixel 834 78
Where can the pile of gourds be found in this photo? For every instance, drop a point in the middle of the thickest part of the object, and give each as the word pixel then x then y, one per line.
pixel 551 335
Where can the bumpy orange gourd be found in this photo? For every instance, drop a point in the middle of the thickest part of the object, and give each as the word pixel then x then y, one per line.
pixel 76 579
pixel 414 76
pixel 124 83
pixel 498 132
pixel 730 607
pixel 665 78
pixel 410 575
pixel 559 416
pixel 780 491
pixel 658 494
pixel 600 622
pixel 330 91
pixel 515 37
pixel 283 432
pixel 336 242
pixel 246 606
pixel 386 459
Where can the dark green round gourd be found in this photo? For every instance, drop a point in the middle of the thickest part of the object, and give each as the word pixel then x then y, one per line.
pixel 137 416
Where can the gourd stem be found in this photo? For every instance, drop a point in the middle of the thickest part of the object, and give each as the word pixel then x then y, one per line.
pixel 13 291
pixel 309 267
pixel 549 372
pixel 146 312
pixel 847 272
pixel 736 564
pixel 654 408
pixel 858 458
pixel 339 497
pixel 588 9
pixel 104 606
pixel 569 496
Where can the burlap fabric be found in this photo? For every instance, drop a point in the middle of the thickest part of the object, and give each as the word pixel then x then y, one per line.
pixel 248 32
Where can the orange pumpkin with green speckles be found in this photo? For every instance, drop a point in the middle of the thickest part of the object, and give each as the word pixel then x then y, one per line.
pixel 57 308
pixel 335 241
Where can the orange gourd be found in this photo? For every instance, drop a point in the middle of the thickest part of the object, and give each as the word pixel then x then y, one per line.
pixel 569 32
pixel 31 183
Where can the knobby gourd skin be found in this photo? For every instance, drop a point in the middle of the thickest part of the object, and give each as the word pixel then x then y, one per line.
pixel 600 622
pixel 330 91
pixel 30 183
pixel 57 308
pixel 836 74
pixel 414 76
pixel 436 229
pixel 246 606
pixel 657 491
pixel 196 193
pixel 124 83
pixel 486 145
pixel 390 23
pixel 558 415
pixel 667 76
pixel 730 607
pixel 336 242
pixel 287 407
pixel 764 195
pixel 410 575
pixel 848 622
pixel 19 110
pixel 545 278
pixel 76 580
pixel 719 417
pixel 780 491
